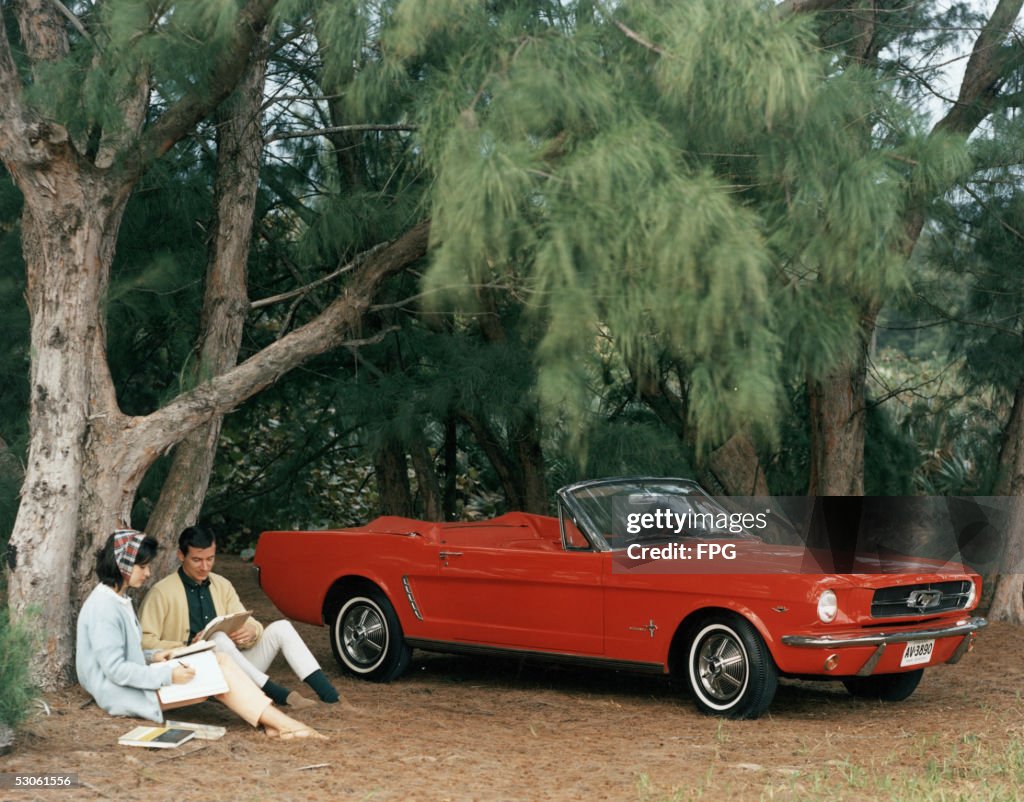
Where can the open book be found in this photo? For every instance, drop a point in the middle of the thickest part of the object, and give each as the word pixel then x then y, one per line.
pixel 156 737
pixel 223 623
pixel 208 681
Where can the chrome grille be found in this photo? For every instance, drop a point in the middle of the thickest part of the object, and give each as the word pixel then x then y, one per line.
pixel 923 599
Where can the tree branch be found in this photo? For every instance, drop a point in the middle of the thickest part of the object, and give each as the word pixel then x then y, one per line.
pixel 284 296
pixel 168 425
pixel 809 6
pixel 11 112
pixel 76 23
pixel 631 34
pixel 343 129
pixel 988 208
pixel 180 118
pixel 984 73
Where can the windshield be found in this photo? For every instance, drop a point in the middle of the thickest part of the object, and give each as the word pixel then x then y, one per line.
pixel 619 512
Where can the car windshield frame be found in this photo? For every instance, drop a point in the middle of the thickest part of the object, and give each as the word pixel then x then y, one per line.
pixel 582 503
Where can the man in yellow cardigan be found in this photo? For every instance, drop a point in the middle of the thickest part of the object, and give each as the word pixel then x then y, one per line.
pixel 178 607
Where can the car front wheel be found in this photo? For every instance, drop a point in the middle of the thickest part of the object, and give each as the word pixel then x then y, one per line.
pixel 367 639
pixel 886 687
pixel 729 668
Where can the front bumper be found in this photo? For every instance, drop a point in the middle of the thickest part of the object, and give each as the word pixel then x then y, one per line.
pixel 965 627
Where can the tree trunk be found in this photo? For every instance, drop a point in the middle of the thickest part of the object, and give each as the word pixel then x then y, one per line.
pixel 1008 599
pixel 502 463
pixel 736 467
pixel 1010 480
pixel 530 459
pixel 225 303
pixel 69 228
pixel 393 479
pixel 426 480
pixel 451 467
pixel 837 431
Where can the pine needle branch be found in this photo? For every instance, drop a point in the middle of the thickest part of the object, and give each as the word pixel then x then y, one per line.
pixel 176 122
pixel 988 208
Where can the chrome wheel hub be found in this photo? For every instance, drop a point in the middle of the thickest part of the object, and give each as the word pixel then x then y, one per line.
pixel 721 667
pixel 365 635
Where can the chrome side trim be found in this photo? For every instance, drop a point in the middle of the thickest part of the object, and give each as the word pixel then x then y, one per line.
pixel 411 598
pixel 962 627
pixel 448 647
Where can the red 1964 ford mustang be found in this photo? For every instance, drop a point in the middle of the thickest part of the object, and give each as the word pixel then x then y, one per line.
pixel 642 574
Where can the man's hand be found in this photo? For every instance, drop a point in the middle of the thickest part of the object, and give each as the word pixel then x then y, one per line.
pixel 245 636
pixel 162 656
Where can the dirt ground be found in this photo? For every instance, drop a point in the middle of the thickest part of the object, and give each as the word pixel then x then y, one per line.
pixel 464 728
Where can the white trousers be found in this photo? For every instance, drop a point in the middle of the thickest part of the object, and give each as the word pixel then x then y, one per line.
pixel 279 637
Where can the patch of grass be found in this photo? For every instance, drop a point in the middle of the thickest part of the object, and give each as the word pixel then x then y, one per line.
pixel 967 769
pixel 17 687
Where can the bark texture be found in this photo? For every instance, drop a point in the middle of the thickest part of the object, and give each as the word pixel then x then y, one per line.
pixel 836 406
pixel 392 471
pixel 427 484
pixel 737 468
pixel 1010 480
pixel 1008 599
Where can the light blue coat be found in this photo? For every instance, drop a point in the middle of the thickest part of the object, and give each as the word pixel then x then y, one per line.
pixel 110 662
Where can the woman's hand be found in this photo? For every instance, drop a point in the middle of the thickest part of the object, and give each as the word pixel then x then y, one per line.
pixel 182 674
pixel 162 656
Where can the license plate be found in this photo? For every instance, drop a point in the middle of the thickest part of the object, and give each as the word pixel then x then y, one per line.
pixel 917 653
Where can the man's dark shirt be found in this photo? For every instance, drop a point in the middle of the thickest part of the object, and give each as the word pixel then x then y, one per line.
pixel 200 603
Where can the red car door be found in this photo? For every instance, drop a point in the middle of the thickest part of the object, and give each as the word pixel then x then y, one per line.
pixel 536 598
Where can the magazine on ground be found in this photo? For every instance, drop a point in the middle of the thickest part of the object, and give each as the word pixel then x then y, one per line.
pixel 204 732
pixel 156 737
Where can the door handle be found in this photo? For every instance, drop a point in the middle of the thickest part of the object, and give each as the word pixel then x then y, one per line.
pixel 444 555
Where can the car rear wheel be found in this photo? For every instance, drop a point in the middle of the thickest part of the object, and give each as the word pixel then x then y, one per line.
pixel 367 639
pixel 729 668
pixel 886 687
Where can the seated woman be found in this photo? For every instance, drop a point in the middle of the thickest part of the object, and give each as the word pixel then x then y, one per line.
pixel 121 678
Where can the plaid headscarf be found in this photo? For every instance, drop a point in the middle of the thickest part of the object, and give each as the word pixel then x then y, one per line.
pixel 126 549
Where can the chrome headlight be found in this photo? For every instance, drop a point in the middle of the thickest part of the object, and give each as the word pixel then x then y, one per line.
pixel 828 607
pixel 972 595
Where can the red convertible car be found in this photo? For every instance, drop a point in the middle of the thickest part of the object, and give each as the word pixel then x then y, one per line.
pixel 643 574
